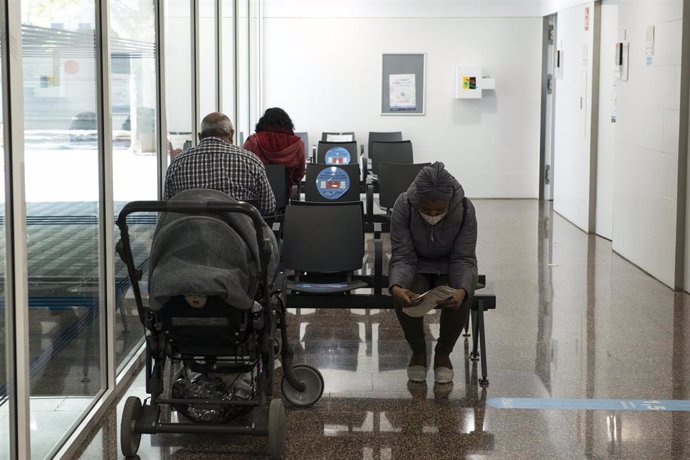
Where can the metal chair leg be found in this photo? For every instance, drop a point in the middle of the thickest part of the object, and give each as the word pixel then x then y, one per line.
pixel 484 381
pixel 474 355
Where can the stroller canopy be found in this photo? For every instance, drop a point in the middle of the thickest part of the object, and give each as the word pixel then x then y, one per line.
pixel 207 254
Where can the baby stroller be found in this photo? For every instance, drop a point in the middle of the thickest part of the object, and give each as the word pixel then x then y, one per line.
pixel 211 326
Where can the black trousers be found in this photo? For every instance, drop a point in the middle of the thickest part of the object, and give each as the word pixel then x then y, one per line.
pixel 452 321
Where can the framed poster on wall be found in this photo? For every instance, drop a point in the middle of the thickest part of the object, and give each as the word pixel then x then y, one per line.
pixel 402 84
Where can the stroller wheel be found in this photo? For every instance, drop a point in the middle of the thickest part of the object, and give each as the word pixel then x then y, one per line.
pixel 276 429
pixel 313 383
pixel 129 438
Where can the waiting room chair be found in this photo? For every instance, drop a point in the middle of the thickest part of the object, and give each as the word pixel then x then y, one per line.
pixel 395 179
pixel 391 136
pixel 324 245
pixel 390 152
pixel 277 177
pixel 305 139
pixel 336 153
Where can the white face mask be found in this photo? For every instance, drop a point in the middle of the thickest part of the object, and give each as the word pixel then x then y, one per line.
pixel 432 220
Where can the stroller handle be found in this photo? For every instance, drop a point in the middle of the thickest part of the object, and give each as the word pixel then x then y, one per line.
pixel 194 207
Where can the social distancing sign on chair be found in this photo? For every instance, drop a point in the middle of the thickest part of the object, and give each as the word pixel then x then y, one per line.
pixel 332 183
pixel 337 156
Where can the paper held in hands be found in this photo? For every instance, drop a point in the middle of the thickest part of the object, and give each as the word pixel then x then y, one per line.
pixel 428 300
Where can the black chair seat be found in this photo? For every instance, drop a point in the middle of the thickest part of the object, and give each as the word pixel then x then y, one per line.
pixel 326 288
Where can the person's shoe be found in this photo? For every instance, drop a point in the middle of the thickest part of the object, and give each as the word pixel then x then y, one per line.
pixel 416 370
pixel 443 375
pixel 443 369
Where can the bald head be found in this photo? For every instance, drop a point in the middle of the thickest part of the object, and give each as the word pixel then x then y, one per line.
pixel 217 124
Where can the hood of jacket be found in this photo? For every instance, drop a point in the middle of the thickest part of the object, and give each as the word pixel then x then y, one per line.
pixel 275 146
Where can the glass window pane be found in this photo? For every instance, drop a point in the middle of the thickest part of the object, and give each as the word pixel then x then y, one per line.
pixel 244 122
pixel 228 60
pixel 207 57
pixel 62 201
pixel 4 358
pixel 178 75
pixel 133 95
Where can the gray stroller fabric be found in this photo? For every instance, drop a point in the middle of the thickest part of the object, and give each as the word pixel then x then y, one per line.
pixel 207 254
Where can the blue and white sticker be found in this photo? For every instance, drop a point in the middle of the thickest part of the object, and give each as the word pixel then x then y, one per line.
pixel 332 183
pixel 337 156
pixel 591 404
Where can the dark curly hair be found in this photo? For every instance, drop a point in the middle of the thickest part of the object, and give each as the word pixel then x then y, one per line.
pixel 273 118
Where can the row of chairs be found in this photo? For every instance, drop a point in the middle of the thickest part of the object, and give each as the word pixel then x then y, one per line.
pixel 323 237
pixel 321 180
pixel 323 249
pixel 341 148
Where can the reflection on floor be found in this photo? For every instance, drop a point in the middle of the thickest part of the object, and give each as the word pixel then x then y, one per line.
pixel 47 414
pixel 574 320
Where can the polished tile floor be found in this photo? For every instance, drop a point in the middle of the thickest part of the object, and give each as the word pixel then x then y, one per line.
pixel 573 321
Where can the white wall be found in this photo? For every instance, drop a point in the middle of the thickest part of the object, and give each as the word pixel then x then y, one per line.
pixel 607 128
pixel 326 73
pixel 553 6
pixel 573 115
pixel 647 127
pixel 403 8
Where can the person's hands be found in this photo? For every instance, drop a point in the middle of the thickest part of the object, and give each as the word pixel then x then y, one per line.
pixel 454 301
pixel 403 296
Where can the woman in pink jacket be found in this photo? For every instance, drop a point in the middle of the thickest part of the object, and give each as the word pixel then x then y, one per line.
pixel 275 143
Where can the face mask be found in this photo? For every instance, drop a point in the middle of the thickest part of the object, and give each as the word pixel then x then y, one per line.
pixel 433 220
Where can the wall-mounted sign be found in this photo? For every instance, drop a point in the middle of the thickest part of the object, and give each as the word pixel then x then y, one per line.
pixel 402 91
pixel 468 82
pixel 402 84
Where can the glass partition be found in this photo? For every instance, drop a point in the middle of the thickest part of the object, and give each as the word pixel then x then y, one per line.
pixel 228 103
pixel 4 333
pixel 178 75
pixel 243 123
pixel 133 96
pixel 208 43
pixel 62 207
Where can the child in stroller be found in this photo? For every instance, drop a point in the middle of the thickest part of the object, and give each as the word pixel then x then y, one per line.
pixel 215 308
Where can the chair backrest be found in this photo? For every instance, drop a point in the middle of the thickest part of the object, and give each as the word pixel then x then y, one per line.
pixel 382 137
pixel 305 139
pixel 336 153
pixel 395 179
pixel 277 177
pixel 390 152
pixel 323 238
pixel 332 183
pixel 348 136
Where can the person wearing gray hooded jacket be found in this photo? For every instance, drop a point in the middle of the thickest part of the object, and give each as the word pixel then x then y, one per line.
pixel 433 243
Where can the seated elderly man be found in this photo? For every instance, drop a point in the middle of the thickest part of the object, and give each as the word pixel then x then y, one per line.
pixel 219 165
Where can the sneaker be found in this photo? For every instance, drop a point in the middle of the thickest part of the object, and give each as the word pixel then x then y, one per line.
pixel 443 368
pixel 443 375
